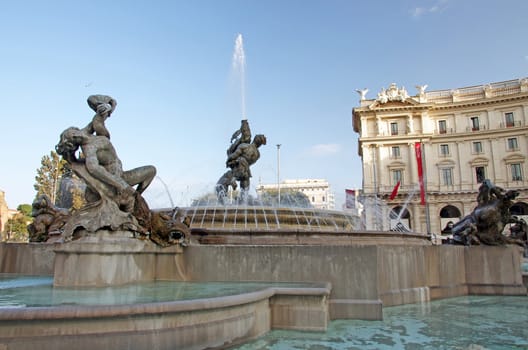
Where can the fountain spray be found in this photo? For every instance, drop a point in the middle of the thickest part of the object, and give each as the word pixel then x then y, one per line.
pixel 239 66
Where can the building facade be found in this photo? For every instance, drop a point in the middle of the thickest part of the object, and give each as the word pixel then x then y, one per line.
pixel 4 211
pixel 466 135
pixel 318 191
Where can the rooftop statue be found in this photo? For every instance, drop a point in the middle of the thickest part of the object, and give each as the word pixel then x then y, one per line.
pixel 362 93
pixel 241 154
pixel 487 221
pixel 113 195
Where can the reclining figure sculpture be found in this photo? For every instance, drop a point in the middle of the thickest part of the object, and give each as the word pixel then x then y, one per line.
pixel 484 225
pixel 113 195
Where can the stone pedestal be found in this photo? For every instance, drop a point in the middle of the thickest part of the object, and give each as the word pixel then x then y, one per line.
pixel 494 270
pixel 110 258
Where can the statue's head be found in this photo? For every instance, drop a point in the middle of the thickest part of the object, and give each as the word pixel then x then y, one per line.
pixel 259 140
pixel 511 194
pixel 40 203
pixel 69 141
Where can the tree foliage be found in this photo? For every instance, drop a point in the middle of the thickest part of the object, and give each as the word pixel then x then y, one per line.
pixel 16 227
pixel 288 198
pixel 49 175
pixel 56 180
pixel 78 200
pixel 25 209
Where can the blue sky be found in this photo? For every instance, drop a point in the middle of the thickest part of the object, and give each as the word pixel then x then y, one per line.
pixel 169 66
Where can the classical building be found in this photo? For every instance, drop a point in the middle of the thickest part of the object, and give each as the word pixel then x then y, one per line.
pixel 318 191
pixel 463 135
pixel 4 211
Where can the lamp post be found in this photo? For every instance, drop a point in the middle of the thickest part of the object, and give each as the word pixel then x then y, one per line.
pixel 278 173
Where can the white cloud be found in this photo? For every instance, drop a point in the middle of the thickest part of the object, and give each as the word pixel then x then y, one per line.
pixel 438 6
pixel 418 11
pixel 324 149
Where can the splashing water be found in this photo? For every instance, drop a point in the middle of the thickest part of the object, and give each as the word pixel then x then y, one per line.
pixel 239 66
pixel 166 190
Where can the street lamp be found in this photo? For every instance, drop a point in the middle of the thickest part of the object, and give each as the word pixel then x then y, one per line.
pixel 278 173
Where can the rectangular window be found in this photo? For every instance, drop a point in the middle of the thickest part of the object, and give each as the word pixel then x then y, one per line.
pixel 442 126
pixel 444 150
pixel 475 124
pixel 394 128
pixel 396 176
pixel 480 174
pixel 477 147
pixel 516 172
pixel 395 151
pixel 512 144
pixel 447 176
pixel 509 119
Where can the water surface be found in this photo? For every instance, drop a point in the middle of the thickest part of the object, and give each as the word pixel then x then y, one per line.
pixel 38 291
pixel 472 323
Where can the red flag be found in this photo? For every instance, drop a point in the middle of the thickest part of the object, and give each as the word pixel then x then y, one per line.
pixel 395 191
pixel 350 202
pixel 418 151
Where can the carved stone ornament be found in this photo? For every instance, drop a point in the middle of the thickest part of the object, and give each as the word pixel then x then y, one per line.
pixel 393 93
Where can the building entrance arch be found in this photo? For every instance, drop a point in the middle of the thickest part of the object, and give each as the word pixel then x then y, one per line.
pixel 449 215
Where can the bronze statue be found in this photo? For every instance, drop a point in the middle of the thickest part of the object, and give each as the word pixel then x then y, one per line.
pixel 103 107
pixel 113 195
pixel 240 156
pixel 101 169
pixel 488 191
pixel 47 219
pixel 487 221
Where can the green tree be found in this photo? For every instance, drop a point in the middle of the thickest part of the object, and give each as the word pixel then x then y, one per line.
pixel 78 200
pixel 49 176
pixel 288 198
pixel 16 226
pixel 25 209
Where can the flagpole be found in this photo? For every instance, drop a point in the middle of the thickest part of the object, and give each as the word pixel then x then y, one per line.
pixel 427 217
pixel 375 173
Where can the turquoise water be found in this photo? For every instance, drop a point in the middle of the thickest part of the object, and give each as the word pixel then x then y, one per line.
pixel 472 323
pixel 37 291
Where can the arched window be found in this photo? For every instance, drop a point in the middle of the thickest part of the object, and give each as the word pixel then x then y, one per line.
pixel 449 215
pixel 519 208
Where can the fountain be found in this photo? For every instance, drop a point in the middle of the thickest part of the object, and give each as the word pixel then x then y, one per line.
pixel 115 271
pixel 285 268
pixel 239 67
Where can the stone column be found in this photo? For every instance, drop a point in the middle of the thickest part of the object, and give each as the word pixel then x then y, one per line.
pixel 364 126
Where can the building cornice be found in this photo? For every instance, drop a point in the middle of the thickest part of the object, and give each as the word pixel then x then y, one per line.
pixel 481 102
